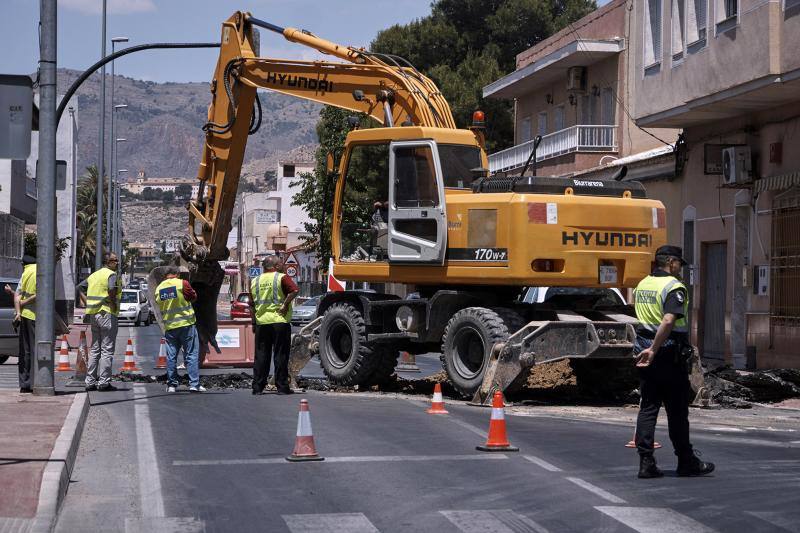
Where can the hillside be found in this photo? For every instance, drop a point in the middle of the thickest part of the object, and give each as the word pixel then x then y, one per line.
pixel 162 124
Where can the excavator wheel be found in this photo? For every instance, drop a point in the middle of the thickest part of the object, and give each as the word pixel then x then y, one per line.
pixel 343 351
pixel 467 344
pixel 384 367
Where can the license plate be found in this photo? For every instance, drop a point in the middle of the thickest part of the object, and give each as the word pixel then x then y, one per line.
pixel 608 275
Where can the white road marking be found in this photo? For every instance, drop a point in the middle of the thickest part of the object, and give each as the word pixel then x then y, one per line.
pixel 468 426
pixel 723 428
pixel 541 462
pixel 329 523
pixel 149 480
pixel 346 459
pixel 15 525
pixel 788 520
pixel 594 489
pixel 492 521
pixel 654 520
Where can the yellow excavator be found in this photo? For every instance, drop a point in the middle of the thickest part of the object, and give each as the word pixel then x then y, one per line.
pixel 465 243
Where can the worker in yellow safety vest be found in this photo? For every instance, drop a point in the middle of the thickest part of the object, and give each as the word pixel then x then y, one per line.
pixel 25 316
pixel 174 297
pixel 271 295
pixel 663 356
pixel 103 291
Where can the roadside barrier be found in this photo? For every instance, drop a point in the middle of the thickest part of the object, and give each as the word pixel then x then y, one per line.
pixel 304 448
pixel 437 403
pixel 162 355
pixel 498 440
pixel 63 356
pixel 129 365
pixel 408 363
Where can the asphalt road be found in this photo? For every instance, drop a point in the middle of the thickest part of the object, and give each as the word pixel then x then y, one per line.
pixel 215 462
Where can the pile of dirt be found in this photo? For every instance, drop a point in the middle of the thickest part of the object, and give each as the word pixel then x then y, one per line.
pixel 738 388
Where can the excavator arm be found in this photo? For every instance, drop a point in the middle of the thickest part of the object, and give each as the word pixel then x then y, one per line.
pixel 386 87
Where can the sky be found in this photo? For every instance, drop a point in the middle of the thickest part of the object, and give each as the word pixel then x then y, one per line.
pixel 348 22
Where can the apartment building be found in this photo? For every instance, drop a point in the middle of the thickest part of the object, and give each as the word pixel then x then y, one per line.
pixel 573 90
pixel 727 72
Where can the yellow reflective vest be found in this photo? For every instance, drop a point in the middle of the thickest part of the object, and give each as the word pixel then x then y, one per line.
pixel 649 298
pixel 267 299
pixel 97 292
pixel 27 288
pixel 176 311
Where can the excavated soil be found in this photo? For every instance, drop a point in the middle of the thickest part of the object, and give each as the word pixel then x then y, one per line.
pixel 562 382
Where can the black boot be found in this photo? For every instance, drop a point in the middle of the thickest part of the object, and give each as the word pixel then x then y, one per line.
pixel 691 465
pixel 648 468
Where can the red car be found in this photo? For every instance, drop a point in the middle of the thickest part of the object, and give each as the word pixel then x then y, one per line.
pixel 240 307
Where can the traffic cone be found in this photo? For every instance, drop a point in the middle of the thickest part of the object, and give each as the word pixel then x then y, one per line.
pixel 632 443
pixel 497 441
pixel 63 356
pixel 304 449
pixel 408 363
pixel 437 404
pixel 80 361
pixel 162 355
pixel 129 365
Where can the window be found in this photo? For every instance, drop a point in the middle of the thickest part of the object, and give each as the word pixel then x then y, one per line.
pixel 288 171
pixel 727 13
pixel 652 32
pixel 559 119
pixel 525 130
pixel 784 302
pixel 415 178
pixel 542 126
pixel 678 26
pixel 457 164
pixel 696 21
pixel 585 114
pixel 608 107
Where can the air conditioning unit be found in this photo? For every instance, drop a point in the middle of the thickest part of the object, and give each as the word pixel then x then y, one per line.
pixel 576 79
pixel 736 165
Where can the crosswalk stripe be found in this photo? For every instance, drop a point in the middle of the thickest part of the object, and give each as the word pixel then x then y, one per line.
pixel 541 462
pixel 654 520
pixel 329 523
pixel 594 489
pixel 786 520
pixel 492 521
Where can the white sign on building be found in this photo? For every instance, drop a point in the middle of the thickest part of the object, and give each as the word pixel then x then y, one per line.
pixel 267 216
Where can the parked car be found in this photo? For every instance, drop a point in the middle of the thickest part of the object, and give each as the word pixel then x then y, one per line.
pixel 135 308
pixel 9 343
pixel 135 285
pixel 305 312
pixel 240 307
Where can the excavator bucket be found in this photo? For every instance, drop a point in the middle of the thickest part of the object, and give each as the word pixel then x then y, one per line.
pixel 305 344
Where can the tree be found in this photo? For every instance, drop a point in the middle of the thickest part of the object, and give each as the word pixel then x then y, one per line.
pixel 150 193
pixel 86 214
pixel 183 192
pixel 168 197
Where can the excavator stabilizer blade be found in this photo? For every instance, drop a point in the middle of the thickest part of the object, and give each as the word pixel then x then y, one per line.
pixel 305 344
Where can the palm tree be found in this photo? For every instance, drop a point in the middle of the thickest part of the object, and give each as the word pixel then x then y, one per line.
pixel 86 199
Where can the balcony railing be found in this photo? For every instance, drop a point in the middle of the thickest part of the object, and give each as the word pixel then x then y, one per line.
pixel 572 139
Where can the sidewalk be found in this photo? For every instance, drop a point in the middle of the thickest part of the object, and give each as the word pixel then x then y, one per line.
pixel 39 438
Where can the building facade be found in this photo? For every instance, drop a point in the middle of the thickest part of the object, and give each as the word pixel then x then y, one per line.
pixel 727 72
pixel 572 89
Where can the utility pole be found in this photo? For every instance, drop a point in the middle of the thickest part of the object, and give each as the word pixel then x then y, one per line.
pixel 101 160
pixel 112 177
pixel 43 377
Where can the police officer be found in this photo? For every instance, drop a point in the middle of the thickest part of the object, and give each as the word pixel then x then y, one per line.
pixel 103 292
pixel 25 315
pixel 271 296
pixel 174 297
pixel 663 348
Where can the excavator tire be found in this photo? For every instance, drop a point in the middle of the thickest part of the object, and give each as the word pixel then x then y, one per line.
pixel 384 367
pixel 467 344
pixel 343 351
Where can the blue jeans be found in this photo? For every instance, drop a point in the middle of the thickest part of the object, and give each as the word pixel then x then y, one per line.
pixel 184 337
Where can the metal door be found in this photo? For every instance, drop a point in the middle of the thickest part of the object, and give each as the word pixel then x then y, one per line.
pixel 714 304
pixel 417 218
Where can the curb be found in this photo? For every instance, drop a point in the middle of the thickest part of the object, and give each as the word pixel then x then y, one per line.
pixel 56 475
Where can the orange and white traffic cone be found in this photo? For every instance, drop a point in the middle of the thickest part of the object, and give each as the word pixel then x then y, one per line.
pixel 497 441
pixel 437 403
pixel 304 449
pixel 80 361
pixel 63 356
pixel 162 355
pixel 408 363
pixel 129 365
pixel 632 443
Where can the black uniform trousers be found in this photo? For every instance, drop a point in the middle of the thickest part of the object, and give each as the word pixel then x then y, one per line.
pixel 272 342
pixel 665 381
pixel 27 350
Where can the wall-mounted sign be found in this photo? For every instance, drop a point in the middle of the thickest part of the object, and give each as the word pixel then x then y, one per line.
pixel 16 116
pixel 228 338
pixel 267 216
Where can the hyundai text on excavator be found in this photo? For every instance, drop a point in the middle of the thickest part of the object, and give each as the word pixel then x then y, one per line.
pixel 467 242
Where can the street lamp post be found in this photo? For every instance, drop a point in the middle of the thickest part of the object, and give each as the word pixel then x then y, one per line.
pixel 101 160
pixel 111 175
pixel 116 179
pixel 118 224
